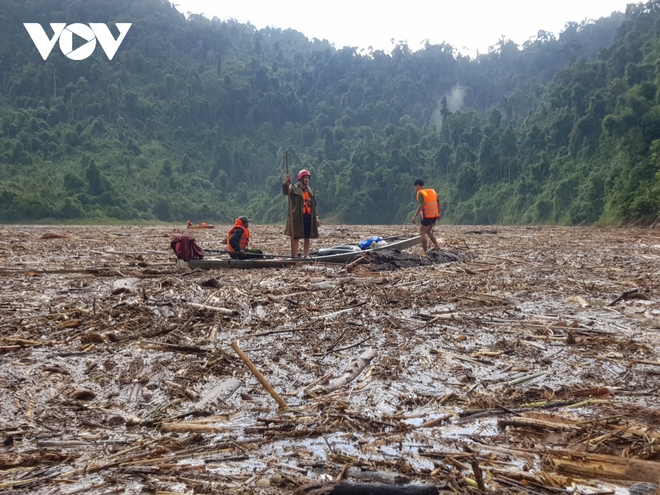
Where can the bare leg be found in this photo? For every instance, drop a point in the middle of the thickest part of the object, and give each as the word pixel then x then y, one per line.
pixel 306 246
pixel 423 230
pixel 433 239
pixel 294 248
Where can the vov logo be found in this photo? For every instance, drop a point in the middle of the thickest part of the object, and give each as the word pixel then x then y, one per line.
pixel 92 33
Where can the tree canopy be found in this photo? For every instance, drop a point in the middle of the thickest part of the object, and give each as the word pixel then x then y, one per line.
pixel 192 117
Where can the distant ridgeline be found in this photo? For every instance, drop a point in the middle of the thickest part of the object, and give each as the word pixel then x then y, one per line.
pixel 191 118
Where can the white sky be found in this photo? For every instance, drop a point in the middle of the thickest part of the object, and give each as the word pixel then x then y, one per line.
pixel 467 25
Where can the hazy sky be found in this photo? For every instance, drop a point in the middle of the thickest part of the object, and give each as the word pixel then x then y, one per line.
pixel 467 25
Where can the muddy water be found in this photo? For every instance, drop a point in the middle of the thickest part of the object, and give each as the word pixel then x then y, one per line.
pixel 115 379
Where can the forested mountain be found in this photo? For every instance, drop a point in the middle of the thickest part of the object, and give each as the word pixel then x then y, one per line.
pixel 192 117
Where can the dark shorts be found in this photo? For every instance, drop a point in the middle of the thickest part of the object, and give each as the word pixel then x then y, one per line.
pixel 249 254
pixel 428 221
pixel 307 226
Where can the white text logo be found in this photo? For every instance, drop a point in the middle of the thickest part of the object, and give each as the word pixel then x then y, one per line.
pixel 95 31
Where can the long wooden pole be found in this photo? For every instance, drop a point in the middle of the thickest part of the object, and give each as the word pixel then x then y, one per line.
pixel 293 239
pixel 258 375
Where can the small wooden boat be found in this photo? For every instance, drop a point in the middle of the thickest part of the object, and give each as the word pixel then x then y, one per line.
pixel 202 225
pixel 343 255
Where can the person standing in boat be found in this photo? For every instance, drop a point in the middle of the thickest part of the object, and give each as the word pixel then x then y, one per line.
pixel 304 213
pixel 238 240
pixel 429 207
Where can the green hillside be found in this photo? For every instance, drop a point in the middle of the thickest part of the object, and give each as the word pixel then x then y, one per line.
pixel 192 117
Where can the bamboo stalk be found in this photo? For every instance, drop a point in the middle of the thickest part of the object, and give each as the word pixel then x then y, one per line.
pixel 291 233
pixel 589 402
pixel 258 375
pixel 525 379
pixel 192 427
pixel 642 361
pixel 11 484
pixel 224 311
pixel 596 420
pixel 435 422
pixel 283 330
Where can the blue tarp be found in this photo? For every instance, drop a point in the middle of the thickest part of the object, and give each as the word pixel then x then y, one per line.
pixel 366 243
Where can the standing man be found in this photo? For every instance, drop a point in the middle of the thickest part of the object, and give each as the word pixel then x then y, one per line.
pixel 429 206
pixel 304 215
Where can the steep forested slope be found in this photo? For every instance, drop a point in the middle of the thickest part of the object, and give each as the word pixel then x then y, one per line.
pixel 191 119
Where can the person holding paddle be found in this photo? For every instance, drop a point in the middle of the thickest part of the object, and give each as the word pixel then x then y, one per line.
pixel 303 213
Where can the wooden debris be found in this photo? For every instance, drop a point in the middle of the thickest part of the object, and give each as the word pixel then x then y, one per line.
pixel 459 357
pixel 73 323
pixel 164 346
pixel 644 489
pixel 81 394
pixel 12 461
pixel 125 286
pixel 623 296
pixel 366 489
pixel 526 378
pixel 598 466
pixel 436 421
pixel 536 423
pixel 478 475
pixel 284 330
pixel 596 393
pixel 196 426
pixel 376 476
pixel 224 311
pixel 25 342
pixel 353 369
pixel 258 375
pixel 649 363
pixel 221 390
pixel 105 390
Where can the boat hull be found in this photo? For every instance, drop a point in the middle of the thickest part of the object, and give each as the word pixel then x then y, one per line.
pixel 211 263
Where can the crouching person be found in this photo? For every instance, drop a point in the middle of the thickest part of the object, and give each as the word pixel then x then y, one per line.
pixel 238 240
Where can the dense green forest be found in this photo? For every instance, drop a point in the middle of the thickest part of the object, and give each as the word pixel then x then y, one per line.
pixel 192 117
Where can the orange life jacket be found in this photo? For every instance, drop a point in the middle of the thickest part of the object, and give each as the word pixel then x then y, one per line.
pixel 307 203
pixel 431 208
pixel 245 238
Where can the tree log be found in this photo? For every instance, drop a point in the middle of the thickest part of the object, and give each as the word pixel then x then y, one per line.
pixel 376 476
pixel 367 489
pixel 598 466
